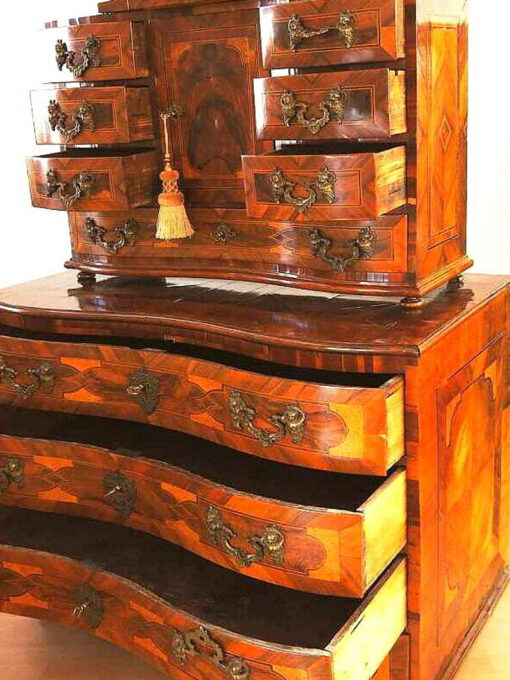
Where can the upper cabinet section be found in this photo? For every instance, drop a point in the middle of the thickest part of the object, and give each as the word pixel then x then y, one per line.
pixel 94 52
pixel 329 32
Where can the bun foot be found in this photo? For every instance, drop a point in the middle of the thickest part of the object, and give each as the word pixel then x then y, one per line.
pixel 411 302
pixel 86 279
pixel 456 283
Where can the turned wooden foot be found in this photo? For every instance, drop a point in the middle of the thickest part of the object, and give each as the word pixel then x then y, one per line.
pixel 456 283
pixel 411 302
pixel 86 279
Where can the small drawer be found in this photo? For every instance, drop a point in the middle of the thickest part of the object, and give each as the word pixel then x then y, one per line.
pixel 348 105
pixel 312 33
pixel 92 115
pixel 347 422
pixel 303 529
pixel 313 185
pixel 92 52
pixel 190 618
pixel 93 179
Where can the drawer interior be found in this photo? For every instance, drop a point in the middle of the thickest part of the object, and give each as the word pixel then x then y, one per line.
pixel 91 152
pixel 216 595
pixel 219 464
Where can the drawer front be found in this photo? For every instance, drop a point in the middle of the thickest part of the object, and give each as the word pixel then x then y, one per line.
pixel 91 52
pixel 228 242
pixel 92 115
pixel 68 181
pixel 349 105
pixel 355 429
pixel 314 33
pixel 334 552
pixel 314 187
pixel 47 586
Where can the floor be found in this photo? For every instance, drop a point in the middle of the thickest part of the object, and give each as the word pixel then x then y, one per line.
pixel 31 650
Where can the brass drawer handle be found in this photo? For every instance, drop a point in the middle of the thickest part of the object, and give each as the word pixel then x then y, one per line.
pixel 82 187
pixel 144 387
pixel 332 107
pixel 200 643
pixel 271 544
pixel 125 235
pixel 42 377
pixel 120 492
pixel 222 233
pixel 81 119
pixel 362 246
pixel 291 422
pixel 89 56
pixel 283 189
pixel 345 25
pixel 89 606
pixel 12 472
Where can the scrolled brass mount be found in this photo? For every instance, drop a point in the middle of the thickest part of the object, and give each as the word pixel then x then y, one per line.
pixel 11 472
pixel 120 492
pixel 291 422
pixel 42 377
pixel 174 112
pixel 222 233
pixel 144 387
pixel 345 25
pixel 271 544
pixel 82 187
pixel 82 119
pixel 89 56
pixel 125 235
pixel 200 643
pixel 362 246
pixel 283 189
pixel 89 606
pixel 332 107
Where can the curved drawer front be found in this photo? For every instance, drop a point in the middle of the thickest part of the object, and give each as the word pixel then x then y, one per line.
pixel 92 115
pixel 336 552
pixel 311 33
pixel 355 429
pixel 91 52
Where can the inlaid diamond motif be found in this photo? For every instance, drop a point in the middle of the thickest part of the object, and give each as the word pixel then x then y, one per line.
pixel 445 132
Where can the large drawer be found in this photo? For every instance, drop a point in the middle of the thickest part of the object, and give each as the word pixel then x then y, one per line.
pixel 314 531
pixel 93 179
pixel 313 185
pixel 355 426
pixel 188 617
pixel 327 32
pixel 92 115
pixel 92 52
pixel 348 105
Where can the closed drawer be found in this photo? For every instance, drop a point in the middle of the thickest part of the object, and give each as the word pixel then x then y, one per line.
pixel 92 115
pixel 353 427
pixel 228 242
pixel 303 529
pixel 316 186
pixel 93 179
pixel 348 105
pixel 91 52
pixel 312 33
pixel 193 619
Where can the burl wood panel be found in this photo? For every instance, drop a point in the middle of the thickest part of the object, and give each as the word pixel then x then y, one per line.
pixel 122 51
pixel 45 586
pixel 328 551
pixel 122 179
pixel 366 184
pixel 229 244
pixel 206 65
pixel 120 115
pixel 354 429
pixel 375 105
pixel 378 33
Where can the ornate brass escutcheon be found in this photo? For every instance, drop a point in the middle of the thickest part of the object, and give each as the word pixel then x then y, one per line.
pixel 175 111
pixel 200 643
pixel 42 377
pixel 362 246
pixel 82 187
pixel 11 472
pixel 89 56
pixel 144 387
pixel 222 233
pixel 89 606
pixel 332 107
pixel 125 235
pixel 291 422
pixel 283 189
pixel 345 25
pixel 271 544
pixel 82 119
pixel 120 492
